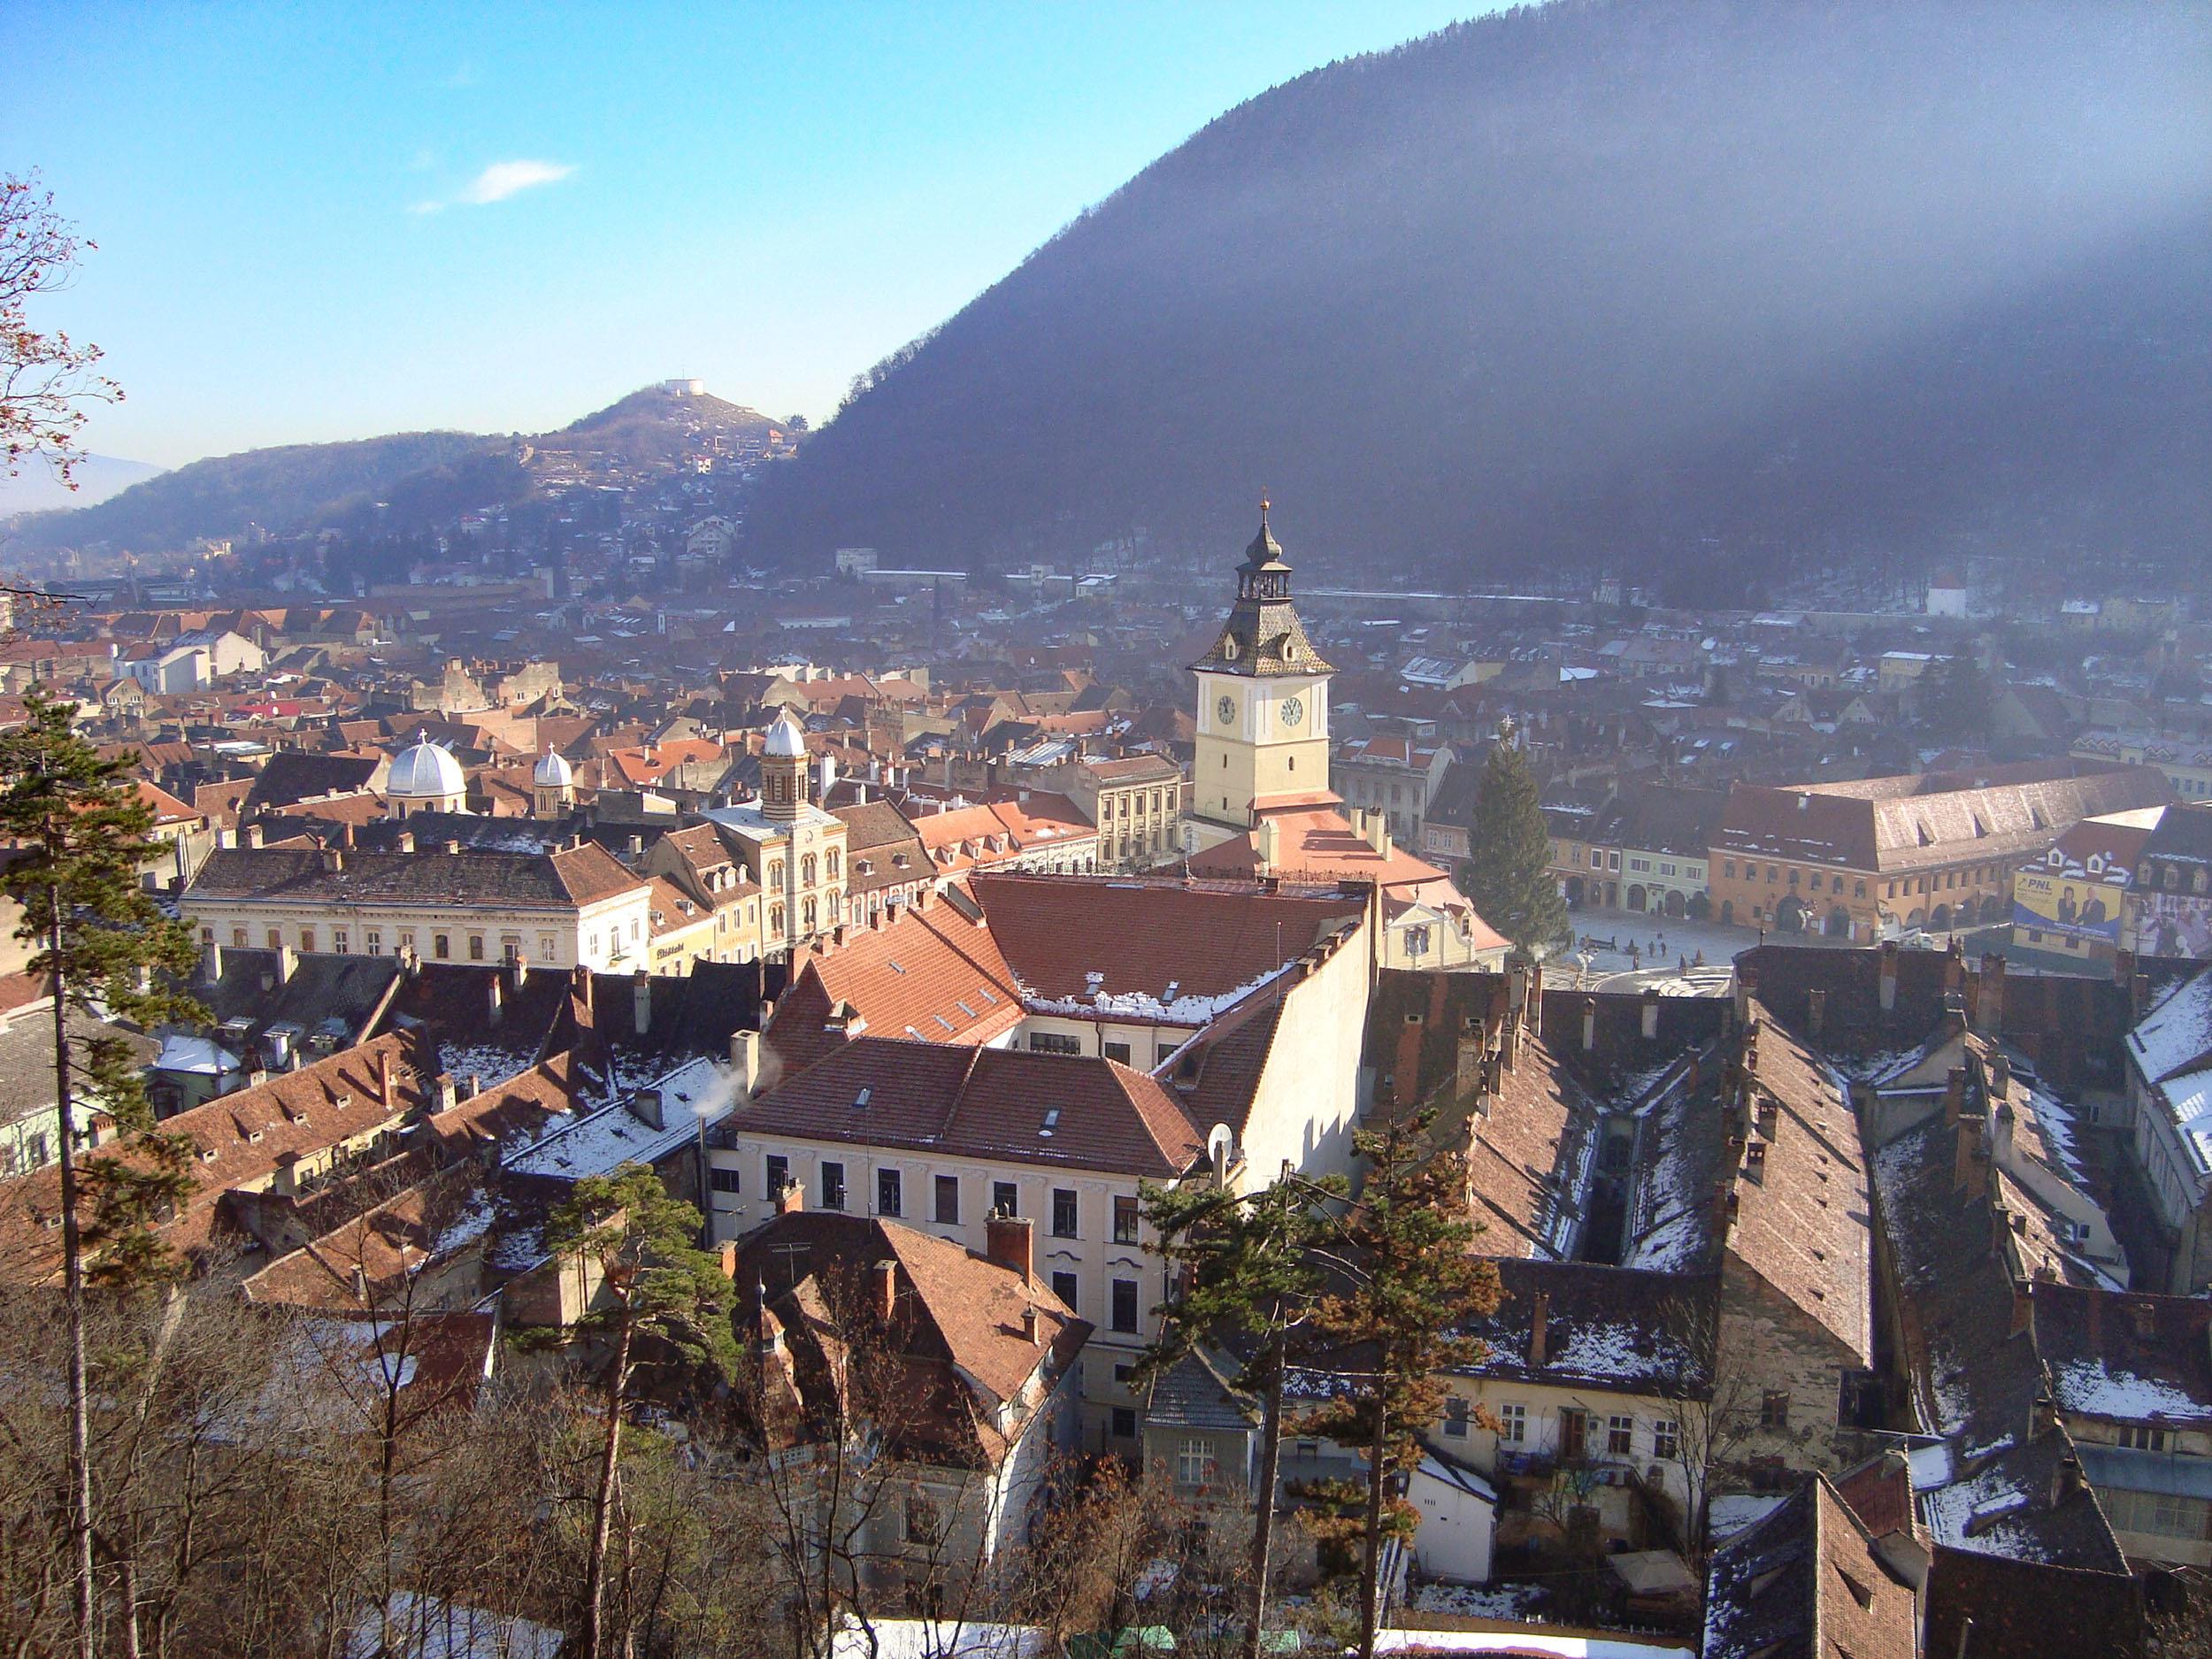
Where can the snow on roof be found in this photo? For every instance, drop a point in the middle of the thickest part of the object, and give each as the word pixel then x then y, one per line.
pixel 1526 1639
pixel 616 1134
pixel 2095 1389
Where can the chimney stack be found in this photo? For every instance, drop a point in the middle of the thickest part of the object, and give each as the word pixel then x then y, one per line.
pixel 491 999
pixel 1889 976
pixel 1538 1328
pixel 447 1095
pixel 1989 1005
pixel 212 962
pixel 405 840
pixel 1969 1170
pixel 1747 987
pixel 334 861
pixel 1816 1012
pixel 253 835
pixel 288 962
pixel 883 1278
pixel 745 1062
pixel 1008 1241
pixel 2065 1479
pixel 1954 1095
pixel 790 1199
pixel 1467 1074
pixel 2024 1317
pixel 1589 1023
pixel 642 1002
pixel 1651 1013
pixel 1029 1326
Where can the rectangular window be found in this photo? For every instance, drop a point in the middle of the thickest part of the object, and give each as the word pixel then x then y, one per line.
pixel 890 1192
pixel 1054 1042
pixel 1728 868
pixel 2142 1438
pixel 1774 1411
pixel 779 1173
pixel 1455 1417
pixel 1125 1219
pixel 948 1200
pixel 1063 1212
pixel 1194 1464
pixel 1065 1287
pixel 1116 1051
pixel 1574 1431
pixel 476 947
pixel 441 946
pixel 1126 1305
pixel 722 1180
pixel 1666 1438
pixel 238 937
pixel 376 942
pixel 921 1519
pixel 1620 1436
pixel 339 941
pixel 1005 1199
pixel 1123 1423
pixel 307 939
pixel 833 1186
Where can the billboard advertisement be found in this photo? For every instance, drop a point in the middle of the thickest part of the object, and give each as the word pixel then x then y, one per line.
pixel 2069 906
pixel 2173 924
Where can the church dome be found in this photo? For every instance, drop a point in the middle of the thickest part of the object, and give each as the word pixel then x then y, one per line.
pixel 787 738
pixel 553 770
pixel 424 772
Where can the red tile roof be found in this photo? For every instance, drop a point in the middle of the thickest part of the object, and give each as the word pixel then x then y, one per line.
pixel 998 1104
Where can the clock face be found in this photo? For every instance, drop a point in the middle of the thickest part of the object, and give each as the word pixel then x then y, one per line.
pixel 1293 710
pixel 1225 710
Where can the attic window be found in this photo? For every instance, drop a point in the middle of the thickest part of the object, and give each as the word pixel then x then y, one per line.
pixel 861 1099
pixel 1413 1016
pixel 897 966
pixel 965 1009
pixel 942 1020
pixel 1051 1123
pixel 985 992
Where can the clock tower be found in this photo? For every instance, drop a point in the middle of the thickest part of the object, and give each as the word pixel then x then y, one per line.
pixel 1263 708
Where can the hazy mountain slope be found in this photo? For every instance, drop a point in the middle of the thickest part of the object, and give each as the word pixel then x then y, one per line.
pixel 294 487
pixel 1601 282
pixel 422 479
pixel 98 477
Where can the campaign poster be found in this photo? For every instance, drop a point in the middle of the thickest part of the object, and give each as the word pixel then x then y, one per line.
pixel 2066 905
pixel 2173 924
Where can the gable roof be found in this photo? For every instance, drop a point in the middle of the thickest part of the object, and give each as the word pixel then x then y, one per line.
pixel 995 1104
pixel 1804 1582
pixel 565 880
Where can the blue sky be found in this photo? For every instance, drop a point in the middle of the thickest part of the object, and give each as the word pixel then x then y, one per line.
pixel 331 222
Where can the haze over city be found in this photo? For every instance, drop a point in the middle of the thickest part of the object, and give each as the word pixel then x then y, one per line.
pixel 1077 833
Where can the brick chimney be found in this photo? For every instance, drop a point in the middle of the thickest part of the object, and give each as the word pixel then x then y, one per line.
pixel 883 1287
pixel 1989 1006
pixel 581 981
pixel 792 1199
pixel 446 1096
pixel 1009 1241
pixel 491 1000
pixel 2065 1479
pixel 1029 1326
pixel 1889 976
pixel 333 860
pixel 1954 1095
pixel 1816 1012
pixel 1969 1169
pixel 384 1090
pixel 1538 1328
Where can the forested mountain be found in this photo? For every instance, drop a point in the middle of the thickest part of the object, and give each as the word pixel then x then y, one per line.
pixel 1609 282
pixel 407 482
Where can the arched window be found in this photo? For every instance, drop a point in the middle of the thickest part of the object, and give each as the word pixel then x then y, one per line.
pixel 775 919
pixel 830 903
pixel 806 870
pixel 831 862
pixel 775 873
pixel 807 913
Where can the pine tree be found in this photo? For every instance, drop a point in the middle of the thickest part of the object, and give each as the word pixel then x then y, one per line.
pixel 82 834
pixel 1509 875
pixel 658 1283
pixel 1249 1276
pixel 1408 1281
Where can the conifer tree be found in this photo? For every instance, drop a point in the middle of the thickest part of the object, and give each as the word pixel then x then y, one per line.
pixel 1249 1276
pixel 658 1283
pixel 1406 1279
pixel 1509 874
pixel 81 835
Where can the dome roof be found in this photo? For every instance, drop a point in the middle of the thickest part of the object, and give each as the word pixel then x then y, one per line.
pixel 787 738
pixel 424 772
pixel 553 770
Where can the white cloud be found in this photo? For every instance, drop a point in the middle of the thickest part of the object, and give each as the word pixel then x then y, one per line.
pixel 503 179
